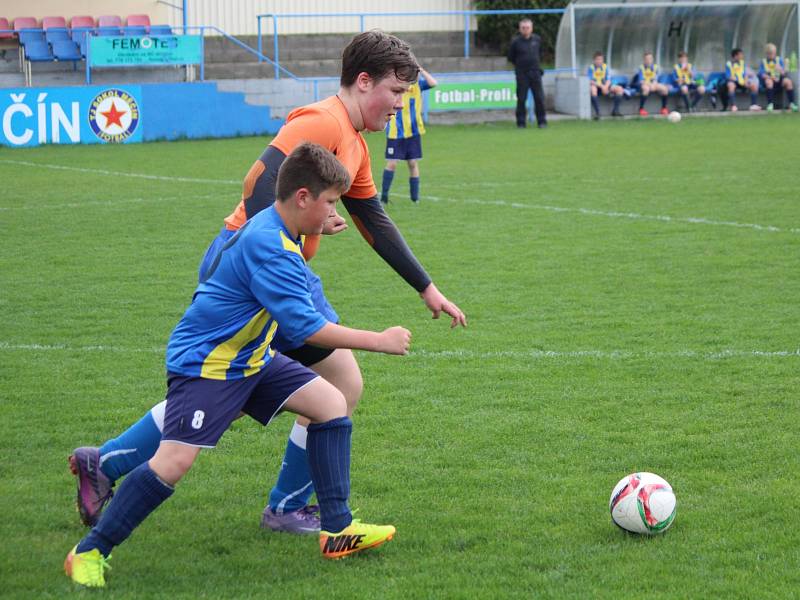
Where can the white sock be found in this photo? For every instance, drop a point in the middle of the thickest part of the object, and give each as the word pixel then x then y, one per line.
pixel 299 435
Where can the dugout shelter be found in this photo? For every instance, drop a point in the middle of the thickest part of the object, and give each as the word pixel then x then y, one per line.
pixel 706 29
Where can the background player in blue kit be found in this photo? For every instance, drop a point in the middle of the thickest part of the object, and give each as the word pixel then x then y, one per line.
pixel 739 80
pixel 683 78
pixel 772 74
pixel 404 133
pixel 600 84
pixel 646 80
pixel 220 363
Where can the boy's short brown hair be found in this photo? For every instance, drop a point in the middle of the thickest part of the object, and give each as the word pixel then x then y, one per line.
pixel 682 54
pixel 312 167
pixel 378 54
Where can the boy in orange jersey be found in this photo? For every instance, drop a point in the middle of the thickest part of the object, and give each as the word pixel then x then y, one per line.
pixel 377 69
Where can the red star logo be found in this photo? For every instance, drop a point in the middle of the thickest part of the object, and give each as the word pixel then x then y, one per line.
pixel 114 116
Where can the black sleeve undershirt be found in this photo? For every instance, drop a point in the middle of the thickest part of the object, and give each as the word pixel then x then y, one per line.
pixel 382 234
pixel 263 195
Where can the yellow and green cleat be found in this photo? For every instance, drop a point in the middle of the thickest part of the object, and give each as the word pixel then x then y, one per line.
pixel 86 568
pixel 355 537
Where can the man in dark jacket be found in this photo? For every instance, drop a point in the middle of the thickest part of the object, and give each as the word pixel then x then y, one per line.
pixel 525 54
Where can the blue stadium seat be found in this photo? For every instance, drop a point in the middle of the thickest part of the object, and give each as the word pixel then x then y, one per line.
pixel 620 80
pixel 38 52
pixel 715 79
pixel 109 31
pixel 160 30
pixel 56 34
pixel 79 33
pixel 28 36
pixel 66 50
pixel 135 30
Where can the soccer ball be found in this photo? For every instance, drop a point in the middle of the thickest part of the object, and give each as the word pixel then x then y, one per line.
pixel 674 117
pixel 643 503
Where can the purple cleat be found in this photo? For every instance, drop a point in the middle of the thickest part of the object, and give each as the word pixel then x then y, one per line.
pixel 299 522
pixel 94 488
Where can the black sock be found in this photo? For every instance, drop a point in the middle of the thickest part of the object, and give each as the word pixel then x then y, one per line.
pixel 328 447
pixel 140 494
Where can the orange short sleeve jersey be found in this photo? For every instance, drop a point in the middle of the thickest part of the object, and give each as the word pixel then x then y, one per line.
pixel 325 123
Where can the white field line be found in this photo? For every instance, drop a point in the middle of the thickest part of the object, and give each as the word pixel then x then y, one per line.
pixel 88 203
pixel 25 163
pixel 615 214
pixel 617 355
pixel 479 202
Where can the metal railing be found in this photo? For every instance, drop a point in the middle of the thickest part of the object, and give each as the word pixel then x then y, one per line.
pixel 200 28
pixel 467 14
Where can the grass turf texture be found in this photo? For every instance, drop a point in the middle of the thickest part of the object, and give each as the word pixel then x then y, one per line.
pixel 493 457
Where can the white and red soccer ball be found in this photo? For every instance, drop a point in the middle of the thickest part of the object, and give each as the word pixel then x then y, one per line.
pixel 643 503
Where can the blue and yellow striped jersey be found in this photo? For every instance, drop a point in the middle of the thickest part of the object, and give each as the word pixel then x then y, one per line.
pixel 648 74
pixel 256 284
pixel 598 74
pixel 408 120
pixel 683 74
pixel 734 70
pixel 772 67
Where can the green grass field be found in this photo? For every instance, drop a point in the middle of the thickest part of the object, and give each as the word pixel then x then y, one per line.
pixel 632 294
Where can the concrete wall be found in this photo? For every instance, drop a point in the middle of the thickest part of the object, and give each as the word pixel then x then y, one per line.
pixel 572 96
pixel 159 13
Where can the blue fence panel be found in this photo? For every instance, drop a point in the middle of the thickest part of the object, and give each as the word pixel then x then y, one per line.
pixel 127 114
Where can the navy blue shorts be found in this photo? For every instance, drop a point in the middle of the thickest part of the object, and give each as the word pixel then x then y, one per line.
pixel 305 354
pixel 404 148
pixel 200 410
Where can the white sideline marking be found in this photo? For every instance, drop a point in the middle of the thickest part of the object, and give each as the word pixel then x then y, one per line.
pixel 446 354
pixel 480 202
pixel 615 214
pixel 107 202
pixel 25 163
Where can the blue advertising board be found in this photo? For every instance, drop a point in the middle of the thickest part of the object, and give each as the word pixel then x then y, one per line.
pixel 127 113
pixel 124 51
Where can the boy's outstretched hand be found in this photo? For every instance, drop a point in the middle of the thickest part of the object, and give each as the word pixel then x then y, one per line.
pixel 395 340
pixel 438 304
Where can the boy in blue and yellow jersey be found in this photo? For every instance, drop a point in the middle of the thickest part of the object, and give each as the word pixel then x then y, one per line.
pixel 377 68
pixel 404 133
pixel 600 84
pixel 220 363
pixel 736 72
pixel 772 73
pixel 683 78
pixel 646 79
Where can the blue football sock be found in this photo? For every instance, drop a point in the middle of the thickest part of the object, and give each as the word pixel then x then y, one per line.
pixel 770 95
pixel 133 446
pixel 753 98
pixel 139 495
pixel 329 459
pixel 293 489
pixel 663 102
pixel 642 100
pixel 697 98
pixel 686 100
pixel 388 176
pixel 413 184
pixel 596 105
pixel 617 100
pixel 790 95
